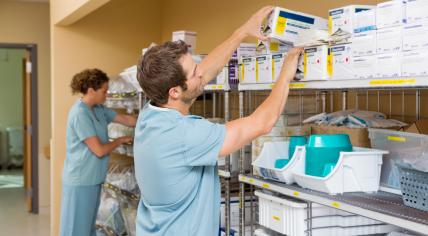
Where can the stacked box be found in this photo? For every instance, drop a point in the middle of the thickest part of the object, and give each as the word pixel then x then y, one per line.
pixel 414 63
pixel 188 37
pixel 285 25
pixel 342 62
pixel 364 67
pixel 390 14
pixel 247 70
pixel 344 18
pixel 264 69
pixel 389 40
pixel 416 11
pixel 277 62
pixel 388 65
pixel 316 64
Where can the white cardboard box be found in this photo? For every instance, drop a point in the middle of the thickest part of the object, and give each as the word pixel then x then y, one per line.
pixel 364 43
pixel 277 62
pixel 264 69
pixel 416 11
pixel 245 50
pixel 315 63
pixel 415 36
pixel 388 65
pixel 389 40
pixel 247 70
pixel 390 14
pixel 342 61
pixel 271 47
pixel 414 63
pixel 222 77
pixel 188 37
pixel 364 67
pixel 343 17
pixel 285 25
pixel 364 21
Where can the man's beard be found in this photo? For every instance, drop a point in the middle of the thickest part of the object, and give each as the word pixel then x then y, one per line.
pixel 191 97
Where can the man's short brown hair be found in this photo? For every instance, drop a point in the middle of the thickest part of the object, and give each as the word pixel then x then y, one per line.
pixel 159 70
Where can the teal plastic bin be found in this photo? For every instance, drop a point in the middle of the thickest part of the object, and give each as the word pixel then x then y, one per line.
pixel 322 153
pixel 296 141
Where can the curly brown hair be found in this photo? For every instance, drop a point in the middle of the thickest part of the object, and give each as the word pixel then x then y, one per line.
pixel 88 78
pixel 159 71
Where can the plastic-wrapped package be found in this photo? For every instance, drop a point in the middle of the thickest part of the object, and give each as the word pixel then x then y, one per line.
pixel 355 119
pixel 109 215
pixel 116 130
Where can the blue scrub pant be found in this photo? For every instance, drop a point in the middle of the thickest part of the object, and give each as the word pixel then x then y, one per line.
pixel 79 207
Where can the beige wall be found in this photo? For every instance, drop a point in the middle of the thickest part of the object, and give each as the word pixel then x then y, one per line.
pixel 111 38
pixel 22 22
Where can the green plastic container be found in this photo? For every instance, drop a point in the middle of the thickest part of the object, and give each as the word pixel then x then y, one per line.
pixel 296 141
pixel 323 151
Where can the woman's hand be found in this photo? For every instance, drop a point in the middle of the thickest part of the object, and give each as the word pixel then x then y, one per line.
pixel 126 139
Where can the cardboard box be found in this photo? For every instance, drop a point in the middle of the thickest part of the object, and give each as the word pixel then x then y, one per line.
pixel 415 36
pixel 364 43
pixel 416 11
pixel 277 63
pixel 316 63
pixel 364 67
pixel 344 17
pixel 414 63
pixel 285 25
pixel 364 21
pixel 419 127
pixel 247 70
pixel 390 14
pixel 389 40
pixel 245 50
pixel 359 136
pixel 388 65
pixel 272 46
pixel 222 77
pixel 264 69
pixel 342 61
pixel 188 37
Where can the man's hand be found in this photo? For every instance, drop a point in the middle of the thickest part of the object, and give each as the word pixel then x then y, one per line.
pixel 291 61
pixel 253 26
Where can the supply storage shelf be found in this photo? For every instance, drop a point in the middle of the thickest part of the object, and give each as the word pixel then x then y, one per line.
pixel 383 206
pixel 217 87
pixel 375 83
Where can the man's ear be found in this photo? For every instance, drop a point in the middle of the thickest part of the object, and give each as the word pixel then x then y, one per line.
pixel 175 92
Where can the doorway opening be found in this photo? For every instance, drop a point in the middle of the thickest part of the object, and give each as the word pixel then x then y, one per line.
pixel 19 122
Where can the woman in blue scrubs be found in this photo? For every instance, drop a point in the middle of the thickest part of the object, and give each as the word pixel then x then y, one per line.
pixel 88 148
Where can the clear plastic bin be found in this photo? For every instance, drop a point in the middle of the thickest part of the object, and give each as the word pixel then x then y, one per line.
pixel 404 148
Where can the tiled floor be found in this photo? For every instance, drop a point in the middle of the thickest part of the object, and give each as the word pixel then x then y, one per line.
pixel 14 219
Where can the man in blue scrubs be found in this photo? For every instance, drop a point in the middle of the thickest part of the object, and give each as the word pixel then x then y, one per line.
pixel 175 152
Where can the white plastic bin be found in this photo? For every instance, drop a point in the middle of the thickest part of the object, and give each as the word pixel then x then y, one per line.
pixel 289 216
pixel 356 171
pixel 265 163
pixel 404 148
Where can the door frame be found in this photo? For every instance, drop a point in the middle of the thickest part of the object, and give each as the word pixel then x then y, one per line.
pixel 32 48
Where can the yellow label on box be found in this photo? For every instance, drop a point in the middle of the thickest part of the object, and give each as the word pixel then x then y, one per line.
pixel 276 218
pixel 242 72
pixel 265 186
pixel 280 25
pixel 335 204
pixel 273 46
pixel 392 81
pixel 397 139
pixel 330 63
pixel 305 63
pixel 297 85
pixel 330 24
pixel 296 194
pixel 257 70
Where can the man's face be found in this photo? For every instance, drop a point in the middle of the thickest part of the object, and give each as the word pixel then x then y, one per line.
pixel 194 83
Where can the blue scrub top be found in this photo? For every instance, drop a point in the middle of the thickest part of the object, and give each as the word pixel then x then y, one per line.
pixel 176 170
pixel 81 166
